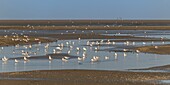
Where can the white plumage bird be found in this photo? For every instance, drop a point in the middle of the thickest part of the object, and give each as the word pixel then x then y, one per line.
pixel 84 49
pixel 50 58
pixel 16 61
pixel 64 60
pixel 4 59
pixel 25 58
pixel 106 57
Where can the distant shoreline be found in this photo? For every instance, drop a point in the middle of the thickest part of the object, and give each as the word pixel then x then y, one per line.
pixel 85 28
pixel 86 22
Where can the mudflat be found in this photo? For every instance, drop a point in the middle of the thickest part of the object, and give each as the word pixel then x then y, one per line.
pixel 82 77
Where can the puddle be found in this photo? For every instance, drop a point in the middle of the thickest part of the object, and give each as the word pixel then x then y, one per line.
pixel 164 82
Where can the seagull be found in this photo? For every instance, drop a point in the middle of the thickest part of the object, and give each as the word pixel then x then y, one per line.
pixel 95 59
pixel 156 47
pixel 88 43
pixel 80 58
pixel 66 57
pixel 84 54
pixel 4 59
pixel 144 43
pixel 137 51
pixel 16 61
pixel 114 42
pixel 69 52
pixel 106 57
pixel 63 59
pixel 124 54
pixel 67 43
pixel 96 48
pixel 25 58
pixel 46 46
pixel 84 49
pixel 115 54
pixel 78 48
pixel 58 48
pixel 50 58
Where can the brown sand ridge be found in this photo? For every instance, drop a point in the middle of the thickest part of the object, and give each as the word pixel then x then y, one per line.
pixel 86 24
pixel 163 49
pixel 86 27
pixel 14 40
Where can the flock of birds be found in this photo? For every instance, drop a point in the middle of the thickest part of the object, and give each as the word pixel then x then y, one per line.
pixel 60 47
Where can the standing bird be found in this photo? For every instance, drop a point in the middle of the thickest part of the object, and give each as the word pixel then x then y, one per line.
pixel 66 57
pixel 4 59
pixel 124 54
pixel 50 58
pixel 84 49
pixel 16 61
pixel 106 57
pixel 115 54
pixel 64 60
pixel 77 48
pixel 25 58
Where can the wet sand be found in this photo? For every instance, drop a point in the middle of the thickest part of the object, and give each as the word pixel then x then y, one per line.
pixel 53 56
pixel 14 40
pixel 82 77
pixel 161 49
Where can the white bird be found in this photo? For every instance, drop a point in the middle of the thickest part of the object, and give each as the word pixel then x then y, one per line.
pixel 137 51
pixel 25 58
pixel 152 42
pixel 156 47
pixel 84 49
pixel 54 51
pixel 124 54
pixel 115 54
pixel 16 61
pixel 67 43
pixel 66 57
pixel 58 48
pixel 64 60
pixel 84 54
pixel 125 50
pixel 80 58
pixel 114 42
pixel 88 43
pixel 69 52
pixel 96 48
pixel 91 45
pixel 144 43
pixel 95 59
pixel 71 47
pixel 46 46
pixel 133 43
pixel 106 57
pixel 4 59
pixel 77 48
pixel 50 58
